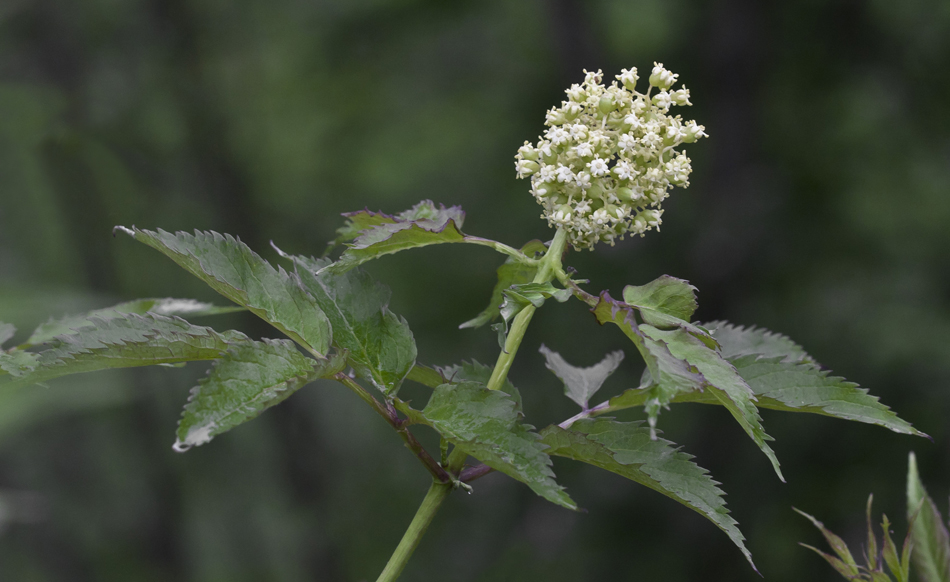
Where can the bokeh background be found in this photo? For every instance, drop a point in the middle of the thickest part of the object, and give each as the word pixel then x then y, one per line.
pixel 819 208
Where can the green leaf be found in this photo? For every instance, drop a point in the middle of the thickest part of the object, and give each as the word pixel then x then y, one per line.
pixel 235 271
pixel 358 222
pixel 18 362
pixel 581 383
pixel 127 341
pixel 628 450
pixel 477 372
pixel 426 376
pixel 931 554
pixel 6 332
pixel 511 272
pixel 484 423
pixel 846 566
pixel 420 226
pixel 246 381
pixel 722 380
pixel 379 344
pixel 517 297
pixel 666 302
pixel 167 306
pixel 790 387
pixel 889 552
pixel 671 376
pixel 736 341
pixel 802 387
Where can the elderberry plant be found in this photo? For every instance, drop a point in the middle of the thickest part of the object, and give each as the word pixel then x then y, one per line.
pixel 602 169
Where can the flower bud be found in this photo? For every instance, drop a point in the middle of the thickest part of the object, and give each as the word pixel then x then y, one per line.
pixel 628 194
pixel 562 214
pixel 606 104
pixel 528 152
pixel 661 78
pixel 628 78
pixel 694 132
pixel 681 97
pixel 526 168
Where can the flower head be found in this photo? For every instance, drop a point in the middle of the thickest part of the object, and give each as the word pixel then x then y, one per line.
pixel 608 158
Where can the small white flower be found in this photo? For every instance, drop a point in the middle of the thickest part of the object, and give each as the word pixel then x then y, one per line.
pixel 582 207
pixel 578 131
pixel 627 142
pixel 661 78
pixel 583 180
pixel 681 97
pixel 633 120
pixel 628 77
pixel 558 136
pixel 584 150
pixel 662 100
pixel 694 132
pixel 564 174
pixel 576 93
pixel 598 167
pixel 625 170
pixel 562 214
pixel 547 173
pixel 651 139
pixel 600 217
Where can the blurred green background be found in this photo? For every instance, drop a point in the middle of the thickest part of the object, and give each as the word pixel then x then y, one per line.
pixel 819 208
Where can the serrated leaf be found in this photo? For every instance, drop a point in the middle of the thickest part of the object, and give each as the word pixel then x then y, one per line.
pixel 628 450
pixel 358 222
pixel 736 341
pixel 420 226
pixel 477 372
pixel 166 306
pixel 247 380
pixel 581 383
pixel 846 566
pixel 666 302
pixel 931 554
pixel 128 341
pixel 18 363
pixel 790 387
pixel 839 566
pixel 484 423
pixel 6 332
pixel 722 380
pixel 673 376
pixel 232 269
pixel 379 344
pixel 802 387
pixel 511 272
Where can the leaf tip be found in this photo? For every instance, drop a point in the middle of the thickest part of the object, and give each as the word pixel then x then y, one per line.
pixel 126 230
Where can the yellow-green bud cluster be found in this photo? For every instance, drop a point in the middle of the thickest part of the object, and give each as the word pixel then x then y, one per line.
pixel 608 158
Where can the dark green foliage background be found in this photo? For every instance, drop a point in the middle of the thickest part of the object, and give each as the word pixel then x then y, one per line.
pixel 819 208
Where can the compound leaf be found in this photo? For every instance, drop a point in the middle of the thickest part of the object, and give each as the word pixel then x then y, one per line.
pixel 511 272
pixel 127 341
pixel 722 380
pixel 931 553
pixel 484 423
pixel 626 448
pixel 581 383
pixel 672 376
pixel 379 343
pixel 167 306
pixel 247 380
pixel 235 271
pixel 736 341
pixel 422 225
pixel 477 372
pixel 803 387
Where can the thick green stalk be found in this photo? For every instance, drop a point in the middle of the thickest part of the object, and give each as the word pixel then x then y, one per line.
pixel 420 523
pixel 549 266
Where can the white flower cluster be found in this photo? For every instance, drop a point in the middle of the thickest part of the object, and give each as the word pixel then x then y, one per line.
pixel 608 158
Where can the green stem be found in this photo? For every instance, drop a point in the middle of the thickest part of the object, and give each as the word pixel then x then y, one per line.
pixel 420 523
pixel 549 267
